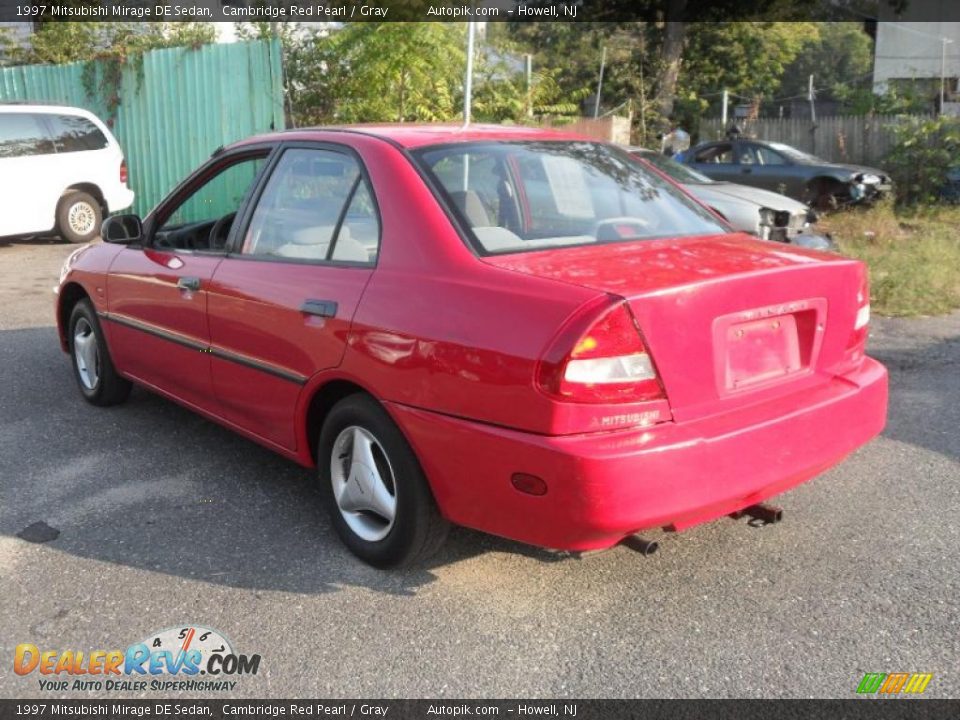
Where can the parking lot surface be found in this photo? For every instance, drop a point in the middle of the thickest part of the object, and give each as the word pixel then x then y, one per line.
pixel 167 520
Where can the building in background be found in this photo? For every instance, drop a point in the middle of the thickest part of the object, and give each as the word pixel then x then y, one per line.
pixel 918 53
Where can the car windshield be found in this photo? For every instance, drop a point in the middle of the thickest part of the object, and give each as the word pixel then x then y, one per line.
pixel 793 153
pixel 671 168
pixel 518 196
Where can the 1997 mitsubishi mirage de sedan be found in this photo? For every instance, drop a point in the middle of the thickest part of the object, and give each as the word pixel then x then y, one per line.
pixel 515 330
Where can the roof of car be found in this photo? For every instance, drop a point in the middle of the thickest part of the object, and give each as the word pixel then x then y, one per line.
pixel 415 135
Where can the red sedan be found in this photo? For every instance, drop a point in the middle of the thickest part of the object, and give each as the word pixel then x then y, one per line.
pixel 519 331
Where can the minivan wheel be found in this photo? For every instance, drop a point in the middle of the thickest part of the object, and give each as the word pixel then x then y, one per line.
pixel 92 366
pixel 374 488
pixel 78 217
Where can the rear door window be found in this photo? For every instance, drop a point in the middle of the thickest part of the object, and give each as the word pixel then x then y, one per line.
pixel 721 154
pixel 72 133
pixel 766 156
pixel 23 134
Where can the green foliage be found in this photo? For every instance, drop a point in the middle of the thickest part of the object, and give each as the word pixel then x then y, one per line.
pixel 63 42
pixel 378 72
pixel 840 57
pixel 913 255
pixel 501 94
pixel 570 53
pixel 925 150
pixel 906 97
pixel 6 45
pixel 746 58
pixel 107 48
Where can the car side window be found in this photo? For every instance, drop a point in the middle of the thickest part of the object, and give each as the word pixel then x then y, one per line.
pixel 202 220
pixel 23 134
pixel 747 155
pixel 316 206
pixel 476 186
pixel 72 133
pixel 721 154
pixel 766 156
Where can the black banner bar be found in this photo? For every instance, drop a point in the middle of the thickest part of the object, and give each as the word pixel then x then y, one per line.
pixel 857 709
pixel 475 10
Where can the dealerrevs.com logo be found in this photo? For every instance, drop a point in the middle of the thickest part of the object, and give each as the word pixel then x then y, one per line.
pixel 191 658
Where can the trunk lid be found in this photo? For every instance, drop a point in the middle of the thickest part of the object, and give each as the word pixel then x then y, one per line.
pixel 728 320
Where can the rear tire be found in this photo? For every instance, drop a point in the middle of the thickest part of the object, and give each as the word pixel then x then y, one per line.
pixel 93 369
pixel 78 217
pixel 374 488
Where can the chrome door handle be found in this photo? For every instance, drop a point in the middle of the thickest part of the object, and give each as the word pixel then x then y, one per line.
pixel 188 283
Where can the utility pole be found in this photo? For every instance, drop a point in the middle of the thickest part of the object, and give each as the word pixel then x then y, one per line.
pixel 723 110
pixel 603 63
pixel 529 69
pixel 811 94
pixel 468 83
pixel 943 70
pixel 643 104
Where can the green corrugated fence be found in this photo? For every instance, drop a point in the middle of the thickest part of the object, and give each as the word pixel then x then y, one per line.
pixel 175 108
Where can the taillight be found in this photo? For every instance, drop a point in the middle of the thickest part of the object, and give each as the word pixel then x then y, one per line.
pixel 861 325
pixel 600 358
pixel 123 172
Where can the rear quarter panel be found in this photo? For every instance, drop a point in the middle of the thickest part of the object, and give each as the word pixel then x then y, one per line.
pixel 437 327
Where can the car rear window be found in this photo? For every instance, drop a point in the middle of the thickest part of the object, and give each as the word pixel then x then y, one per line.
pixel 519 196
pixel 72 133
pixel 23 134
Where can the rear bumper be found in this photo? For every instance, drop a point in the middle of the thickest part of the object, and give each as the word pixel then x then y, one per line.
pixel 605 486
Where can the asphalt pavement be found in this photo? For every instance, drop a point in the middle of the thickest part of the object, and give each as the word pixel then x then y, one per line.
pixel 167 520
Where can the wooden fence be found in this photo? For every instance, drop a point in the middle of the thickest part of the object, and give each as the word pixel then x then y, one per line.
pixel 612 128
pixel 861 139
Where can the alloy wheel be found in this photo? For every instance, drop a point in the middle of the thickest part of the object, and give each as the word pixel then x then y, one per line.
pixel 86 354
pixel 363 481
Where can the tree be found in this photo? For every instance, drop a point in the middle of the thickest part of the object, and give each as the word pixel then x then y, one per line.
pixel 63 42
pixel 382 72
pixel 746 58
pixel 671 55
pixel 571 54
pixel 500 88
pixel 840 57
pixel 925 153
pixel 6 45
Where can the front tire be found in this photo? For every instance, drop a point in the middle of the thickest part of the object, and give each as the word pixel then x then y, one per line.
pixel 93 369
pixel 78 217
pixel 374 488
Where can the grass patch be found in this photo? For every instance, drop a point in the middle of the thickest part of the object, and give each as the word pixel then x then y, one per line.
pixel 914 256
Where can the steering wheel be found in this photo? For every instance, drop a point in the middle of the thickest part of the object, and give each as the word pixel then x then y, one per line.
pixel 620 228
pixel 221 227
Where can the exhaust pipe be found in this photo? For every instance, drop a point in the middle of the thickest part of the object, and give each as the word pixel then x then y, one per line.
pixel 644 547
pixel 767 514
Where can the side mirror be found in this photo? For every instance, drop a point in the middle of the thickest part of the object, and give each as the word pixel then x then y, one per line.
pixel 122 229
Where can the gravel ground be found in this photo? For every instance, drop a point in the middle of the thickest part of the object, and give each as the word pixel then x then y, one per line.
pixel 165 519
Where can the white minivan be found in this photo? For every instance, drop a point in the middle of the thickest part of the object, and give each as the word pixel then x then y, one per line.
pixel 61 170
